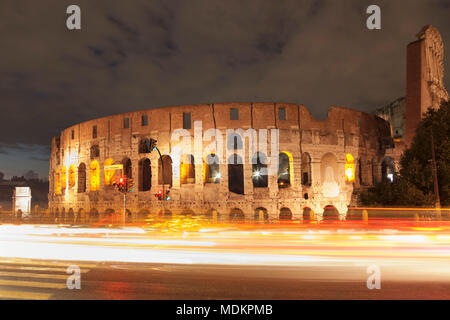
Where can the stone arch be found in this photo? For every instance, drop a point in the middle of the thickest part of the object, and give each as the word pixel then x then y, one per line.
pixel 330 213
pixel 285 214
pixel 94 176
pixel 63 179
pixel 56 215
pixel 70 216
pixel 127 168
pixel 81 215
pixel 110 175
pixel 237 215
pixel 187 169
pixel 211 170
pixel 109 212
pixel 261 214
pixel 260 178
pixel 387 169
pixel 82 178
pixel 62 217
pixel 285 169
pixel 71 176
pixel 128 216
pixel 349 168
pixel 307 215
pixel 329 175
pixel 212 214
pixel 165 213
pixel 145 174
pixel 144 146
pixel 57 182
pixel 187 212
pixel 167 162
pixel 306 169
pixel 93 215
pixel 235 174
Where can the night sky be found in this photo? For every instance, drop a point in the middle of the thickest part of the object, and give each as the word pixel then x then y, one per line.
pixel 133 55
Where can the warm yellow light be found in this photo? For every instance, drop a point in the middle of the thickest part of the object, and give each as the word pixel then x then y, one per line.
pixel 94 176
pixel 110 175
pixel 64 177
pixel 349 168
pixel 57 182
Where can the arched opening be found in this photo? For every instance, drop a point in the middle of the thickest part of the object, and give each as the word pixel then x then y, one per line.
pixel 261 215
pixel 127 168
pixel 56 215
pixel 71 176
pixel 167 162
pixel 212 214
pixel 306 169
pixel 144 146
pixel 58 182
pixel 110 175
pixel 330 213
pixel 145 175
pixel 81 178
pixel 95 151
pixel 307 215
pixel 259 171
pixel 187 169
pixel 94 176
pixel 211 172
pixel 63 179
pixel 349 168
pixel 329 170
pixel 285 214
pixel 128 216
pixel 80 216
pixel 236 215
pixel 70 216
pixel 187 213
pixel 165 213
pixel 62 218
pixel 284 170
pixel 93 215
pixel 235 174
pixel 387 170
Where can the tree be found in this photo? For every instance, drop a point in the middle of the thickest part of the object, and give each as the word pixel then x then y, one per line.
pixel 2 175
pixel 415 184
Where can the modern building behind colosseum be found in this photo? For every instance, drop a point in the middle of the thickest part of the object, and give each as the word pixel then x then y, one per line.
pixel 321 163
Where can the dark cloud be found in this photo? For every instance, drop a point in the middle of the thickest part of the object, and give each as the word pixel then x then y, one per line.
pixel 132 55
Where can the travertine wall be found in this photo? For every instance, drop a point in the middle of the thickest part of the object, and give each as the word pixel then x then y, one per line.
pixel 366 137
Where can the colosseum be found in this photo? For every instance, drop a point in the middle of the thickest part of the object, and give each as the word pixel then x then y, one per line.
pixel 319 164
pixel 247 161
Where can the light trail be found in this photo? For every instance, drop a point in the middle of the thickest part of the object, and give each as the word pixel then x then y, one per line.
pixel 407 251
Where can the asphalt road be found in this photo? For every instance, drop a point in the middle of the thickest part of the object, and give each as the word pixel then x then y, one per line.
pixel 33 279
pixel 224 264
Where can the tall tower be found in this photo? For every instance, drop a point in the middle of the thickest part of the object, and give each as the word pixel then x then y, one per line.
pixel 424 78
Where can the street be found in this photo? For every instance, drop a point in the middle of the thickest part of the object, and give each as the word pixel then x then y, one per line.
pixel 227 262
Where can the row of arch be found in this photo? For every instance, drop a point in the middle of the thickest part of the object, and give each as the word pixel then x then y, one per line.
pixel 235 215
pixel 211 172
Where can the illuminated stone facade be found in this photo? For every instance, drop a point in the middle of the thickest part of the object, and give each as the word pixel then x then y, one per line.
pixel 322 163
